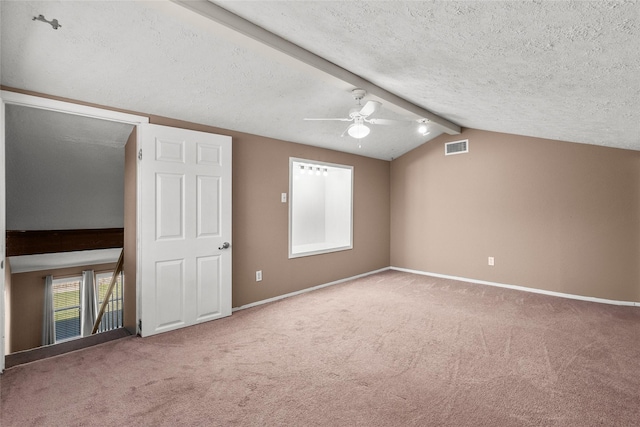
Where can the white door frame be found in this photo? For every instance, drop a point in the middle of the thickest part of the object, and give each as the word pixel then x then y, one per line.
pixel 14 98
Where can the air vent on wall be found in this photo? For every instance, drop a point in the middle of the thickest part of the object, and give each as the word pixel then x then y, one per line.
pixel 456 147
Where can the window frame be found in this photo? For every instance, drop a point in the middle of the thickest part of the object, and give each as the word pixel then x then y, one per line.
pixel 294 165
pixel 78 278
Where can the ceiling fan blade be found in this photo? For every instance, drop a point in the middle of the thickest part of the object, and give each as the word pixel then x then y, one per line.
pixel 369 108
pixel 338 119
pixel 383 122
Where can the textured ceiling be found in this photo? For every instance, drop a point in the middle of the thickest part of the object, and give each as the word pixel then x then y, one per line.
pixel 561 70
pixel 567 70
pixel 52 136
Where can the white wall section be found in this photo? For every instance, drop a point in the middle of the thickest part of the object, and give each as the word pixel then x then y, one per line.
pixel 63 171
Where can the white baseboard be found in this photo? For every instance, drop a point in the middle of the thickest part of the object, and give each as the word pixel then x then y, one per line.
pixel 302 291
pixel 521 288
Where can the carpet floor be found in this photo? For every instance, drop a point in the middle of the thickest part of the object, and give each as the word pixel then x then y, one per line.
pixel 390 349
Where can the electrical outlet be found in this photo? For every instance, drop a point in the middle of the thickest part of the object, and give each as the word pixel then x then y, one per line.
pixel 283 197
pixel 492 261
pixel 259 276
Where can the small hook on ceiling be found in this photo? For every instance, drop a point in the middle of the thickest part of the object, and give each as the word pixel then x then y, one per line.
pixel 54 22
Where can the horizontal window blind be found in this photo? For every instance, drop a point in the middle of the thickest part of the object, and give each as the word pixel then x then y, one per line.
pixel 66 303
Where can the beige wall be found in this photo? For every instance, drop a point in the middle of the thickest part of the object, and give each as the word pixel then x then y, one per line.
pixel 27 303
pixel 260 219
pixel 557 216
pixel 130 233
pixel 7 307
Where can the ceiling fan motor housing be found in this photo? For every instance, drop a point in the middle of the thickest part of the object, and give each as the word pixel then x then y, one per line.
pixel 358 94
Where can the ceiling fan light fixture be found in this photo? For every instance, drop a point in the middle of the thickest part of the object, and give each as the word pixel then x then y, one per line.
pixel 358 131
pixel 423 129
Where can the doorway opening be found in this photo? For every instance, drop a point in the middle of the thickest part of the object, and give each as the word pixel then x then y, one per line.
pixel 65 208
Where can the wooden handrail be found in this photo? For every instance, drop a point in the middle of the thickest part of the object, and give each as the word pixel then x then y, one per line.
pixel 112 285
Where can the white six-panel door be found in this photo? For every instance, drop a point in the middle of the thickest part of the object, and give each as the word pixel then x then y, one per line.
pixel 185 220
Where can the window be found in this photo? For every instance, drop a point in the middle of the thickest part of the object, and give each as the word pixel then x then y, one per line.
pixel 66 304
pixel 320 207
pixel 112 318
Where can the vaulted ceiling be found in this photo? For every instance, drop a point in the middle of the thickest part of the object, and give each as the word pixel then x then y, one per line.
pixel 566 70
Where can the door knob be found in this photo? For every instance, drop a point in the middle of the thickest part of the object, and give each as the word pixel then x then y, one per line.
pixel 225 245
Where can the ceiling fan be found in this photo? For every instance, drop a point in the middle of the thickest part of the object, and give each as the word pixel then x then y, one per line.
pixel 359 115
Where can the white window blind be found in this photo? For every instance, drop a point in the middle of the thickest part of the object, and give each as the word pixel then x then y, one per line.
pixel 66 303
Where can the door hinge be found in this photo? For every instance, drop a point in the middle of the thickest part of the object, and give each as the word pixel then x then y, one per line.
pixel 1 264
pixel 140 326
pixel 140 154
